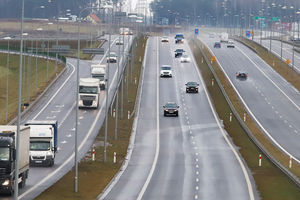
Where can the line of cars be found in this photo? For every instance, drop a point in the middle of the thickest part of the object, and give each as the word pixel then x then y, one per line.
pixel 171 108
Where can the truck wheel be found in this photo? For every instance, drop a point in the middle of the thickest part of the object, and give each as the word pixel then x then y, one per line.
pixel 51 163
pixel 23 182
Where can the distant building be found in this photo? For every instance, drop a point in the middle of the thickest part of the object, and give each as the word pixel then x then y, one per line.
pixel 93 18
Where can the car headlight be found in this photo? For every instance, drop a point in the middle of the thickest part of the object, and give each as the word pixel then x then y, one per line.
pixel 5 183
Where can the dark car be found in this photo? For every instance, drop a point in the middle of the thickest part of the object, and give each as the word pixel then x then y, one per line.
pixel 178 53
pixel 241 75
pixel 179 38
pixel 192 87
pixel 171 108
pixel 217 45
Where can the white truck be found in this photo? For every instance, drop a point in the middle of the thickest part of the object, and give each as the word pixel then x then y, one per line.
pixel 98 71
pixel 8 136
pixel 89 92
pixel 43 141
pixel 224 37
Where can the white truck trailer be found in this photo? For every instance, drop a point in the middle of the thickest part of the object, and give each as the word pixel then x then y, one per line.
pixel 8 136
pixel 99 71
pixel 224 37
pixel 89 92
pixel 43 141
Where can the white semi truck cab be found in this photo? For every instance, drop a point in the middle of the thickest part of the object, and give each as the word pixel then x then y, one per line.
pixel 43 141
pixel 89 91
pixel 99 71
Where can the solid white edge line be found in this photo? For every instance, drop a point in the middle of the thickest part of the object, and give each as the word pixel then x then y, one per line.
pixel 73 154
pixel 245 172
pixel 132 139
pixel 269 78
pixel 143 190
pixel 252 115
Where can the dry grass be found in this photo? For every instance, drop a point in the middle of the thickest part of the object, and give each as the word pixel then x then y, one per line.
pixel 30 92
pixel 270 181
pixel 94 176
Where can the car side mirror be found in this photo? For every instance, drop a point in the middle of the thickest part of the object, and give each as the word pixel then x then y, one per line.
pixel 164 106
pixel 185 84
pixel 177 106
pixel 198 84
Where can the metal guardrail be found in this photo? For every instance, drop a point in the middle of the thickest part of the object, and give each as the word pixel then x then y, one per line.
pixel 289 174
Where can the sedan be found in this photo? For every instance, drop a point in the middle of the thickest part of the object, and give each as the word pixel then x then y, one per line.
pixel 191 87
pixel 164 39
pixel 171 108
pixel 185 59
pixel 241 75
pixel 217 45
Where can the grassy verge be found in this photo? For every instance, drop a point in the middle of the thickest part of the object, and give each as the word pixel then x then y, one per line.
pixel 14 45
pixel 270 181
pixel 95 175
pixel 34 71
pixel 279 66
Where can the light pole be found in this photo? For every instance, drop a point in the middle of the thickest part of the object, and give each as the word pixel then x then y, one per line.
pixel 16 192
pixel 7 68
pixel 107 88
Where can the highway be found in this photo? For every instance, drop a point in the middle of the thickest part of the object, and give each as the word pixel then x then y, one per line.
pixel 184 157
pixel 270 100
pixel 287 51
pixel 59 104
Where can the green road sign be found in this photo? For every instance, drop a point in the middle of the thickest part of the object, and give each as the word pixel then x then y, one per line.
pixel 275 19
pixel 259 18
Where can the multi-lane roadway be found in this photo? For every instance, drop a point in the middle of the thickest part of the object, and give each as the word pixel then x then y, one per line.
pixel 184 157
pixel 270 100
pixel 59 103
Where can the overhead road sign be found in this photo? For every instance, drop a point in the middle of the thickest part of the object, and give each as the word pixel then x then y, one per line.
pixel 259 18
pixel 60 49
pixel 275 19
pixel 196 31
pixel 99 51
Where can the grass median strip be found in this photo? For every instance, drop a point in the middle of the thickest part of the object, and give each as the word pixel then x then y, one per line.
pixel 270 181
pixel 94 176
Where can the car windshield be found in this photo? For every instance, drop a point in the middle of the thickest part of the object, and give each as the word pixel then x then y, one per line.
pixel 192 84
pixel 39 145
pixel 165 37
pixel 112 54
pixel 4 154
pixel 179 36
pixel 166 68
pixel 98 76
pixel 88 89
pixel 179 50
pixel 171 105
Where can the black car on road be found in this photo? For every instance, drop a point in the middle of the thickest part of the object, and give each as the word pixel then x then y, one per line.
pixel 178 53
pixel 192 87
pixel 241 75
pixel 171 108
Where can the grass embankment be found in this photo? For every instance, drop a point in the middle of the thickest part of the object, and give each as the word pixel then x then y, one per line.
pixel 279 66
pixel 29 78
pixel 14 45
pixel 94 176
pixel 270 181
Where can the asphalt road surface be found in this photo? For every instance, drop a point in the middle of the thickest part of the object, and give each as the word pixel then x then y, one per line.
pixel 59 103
pixel 270 100
pixel 287 51
pixel 184 157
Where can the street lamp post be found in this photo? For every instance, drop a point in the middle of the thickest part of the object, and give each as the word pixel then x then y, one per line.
pixel 16 181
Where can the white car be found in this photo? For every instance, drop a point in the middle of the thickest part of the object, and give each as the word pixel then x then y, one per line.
pixel 166 71
pixel 119 42
pixel 112 57
pixel 165 39
pixel 185 59
pixel 230 44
